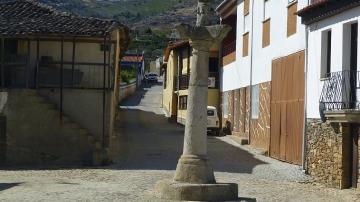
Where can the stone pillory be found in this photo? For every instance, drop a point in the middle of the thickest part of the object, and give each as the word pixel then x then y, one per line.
pixel 26 18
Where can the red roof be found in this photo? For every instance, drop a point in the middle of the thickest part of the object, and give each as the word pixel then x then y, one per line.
pixel 173 45
pixel 133 58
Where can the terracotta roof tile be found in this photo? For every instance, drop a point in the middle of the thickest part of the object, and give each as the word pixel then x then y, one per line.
pixel 28 17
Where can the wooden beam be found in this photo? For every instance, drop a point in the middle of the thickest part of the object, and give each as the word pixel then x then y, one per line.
pixel 61 78
pixel 104 97
pixel 2 62
pixel 37 63
pixel 73 62
pixel 28 65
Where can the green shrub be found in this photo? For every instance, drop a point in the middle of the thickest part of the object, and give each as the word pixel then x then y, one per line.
pixel 128 75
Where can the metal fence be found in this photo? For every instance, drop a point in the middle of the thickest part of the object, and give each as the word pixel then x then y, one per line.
pixel 341 91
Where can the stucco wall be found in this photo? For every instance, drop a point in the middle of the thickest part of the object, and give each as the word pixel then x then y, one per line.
pixel 35 135
pixel 213 100
pixel 126 91
pixel 336 24
pixel 237 74
pixel 168 92
pixel 85 107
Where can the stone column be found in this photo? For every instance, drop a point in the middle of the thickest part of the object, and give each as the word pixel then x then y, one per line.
pixel 194 177
pixel 193 165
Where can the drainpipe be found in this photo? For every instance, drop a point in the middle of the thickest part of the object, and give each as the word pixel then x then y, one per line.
pixel 251 63
pixel 304 150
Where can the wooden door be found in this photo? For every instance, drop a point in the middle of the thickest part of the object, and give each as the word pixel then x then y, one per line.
pixel 287 108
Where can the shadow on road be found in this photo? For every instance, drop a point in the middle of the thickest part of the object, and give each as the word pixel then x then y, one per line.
pixel 5 186
pixel 148 141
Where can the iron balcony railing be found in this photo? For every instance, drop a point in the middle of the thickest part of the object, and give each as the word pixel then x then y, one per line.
pixel 341 91
pixel 182 82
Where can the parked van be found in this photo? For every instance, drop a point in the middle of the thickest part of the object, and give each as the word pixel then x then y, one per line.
pixel 213 123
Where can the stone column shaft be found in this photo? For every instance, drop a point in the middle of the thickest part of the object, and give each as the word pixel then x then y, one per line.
pixel 195 142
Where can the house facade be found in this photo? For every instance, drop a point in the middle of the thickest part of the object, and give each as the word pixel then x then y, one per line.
pixel 59 83
pixel 176 80
pixel 332 103
pixel 262 75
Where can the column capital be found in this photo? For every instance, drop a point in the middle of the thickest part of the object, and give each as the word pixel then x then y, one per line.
pixel 203 35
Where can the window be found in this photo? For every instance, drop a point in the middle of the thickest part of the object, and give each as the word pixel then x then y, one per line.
pixel 292 19
pixel 325 54
pixel 247 23
pixel 246 7
pixel 210 112
pixel 267 9
pixel 183 102
pixel 225 103
pixel 255 102
pixel 246 44
pixel 266 33
pixel 165 78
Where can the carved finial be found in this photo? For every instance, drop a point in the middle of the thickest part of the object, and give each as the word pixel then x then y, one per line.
pixel 204 13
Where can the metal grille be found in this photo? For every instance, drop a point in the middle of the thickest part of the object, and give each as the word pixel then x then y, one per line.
pixel 340 91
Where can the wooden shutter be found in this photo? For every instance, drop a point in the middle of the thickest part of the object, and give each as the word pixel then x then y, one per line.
pixel 292 19
pixel 266 33
pixel 246 44
pixel 246 7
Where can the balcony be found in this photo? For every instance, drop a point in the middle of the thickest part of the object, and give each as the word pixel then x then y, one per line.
pixel 340 97
pixel 182 82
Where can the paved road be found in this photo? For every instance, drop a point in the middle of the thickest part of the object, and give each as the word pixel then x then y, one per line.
pixel 148 148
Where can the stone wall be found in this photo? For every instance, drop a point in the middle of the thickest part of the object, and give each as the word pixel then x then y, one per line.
pixel 126 91
pixel 327 158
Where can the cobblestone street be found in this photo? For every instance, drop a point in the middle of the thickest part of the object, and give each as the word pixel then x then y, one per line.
pixel 148 147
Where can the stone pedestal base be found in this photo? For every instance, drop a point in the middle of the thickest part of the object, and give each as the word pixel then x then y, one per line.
pixel 171 190
pixel 194 169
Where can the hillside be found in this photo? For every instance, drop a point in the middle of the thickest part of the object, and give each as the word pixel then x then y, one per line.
pixel 151 21
pixel 157 14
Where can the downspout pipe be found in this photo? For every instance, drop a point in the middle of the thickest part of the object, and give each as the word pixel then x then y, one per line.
pixel 304 150
pixel 251 65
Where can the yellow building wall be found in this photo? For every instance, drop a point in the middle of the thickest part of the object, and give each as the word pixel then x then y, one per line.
pixel 185 61
pixel 169 96
pixel 182 113
pixel 213 100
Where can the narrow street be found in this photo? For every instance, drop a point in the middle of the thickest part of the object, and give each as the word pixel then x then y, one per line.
pixel 148 147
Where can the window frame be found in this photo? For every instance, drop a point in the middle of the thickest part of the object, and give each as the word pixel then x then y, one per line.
pixel 326 51
pixel 292 30
pixel 183 102
pixel 255 101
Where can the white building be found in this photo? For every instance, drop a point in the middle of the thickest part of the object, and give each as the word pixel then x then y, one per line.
pixel 333 91
pixel 263 75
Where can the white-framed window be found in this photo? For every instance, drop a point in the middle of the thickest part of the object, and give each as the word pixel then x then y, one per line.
pixel 247 23
pixel 225 104
pixel 326 37
pixel 267 9
pixel 255 101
